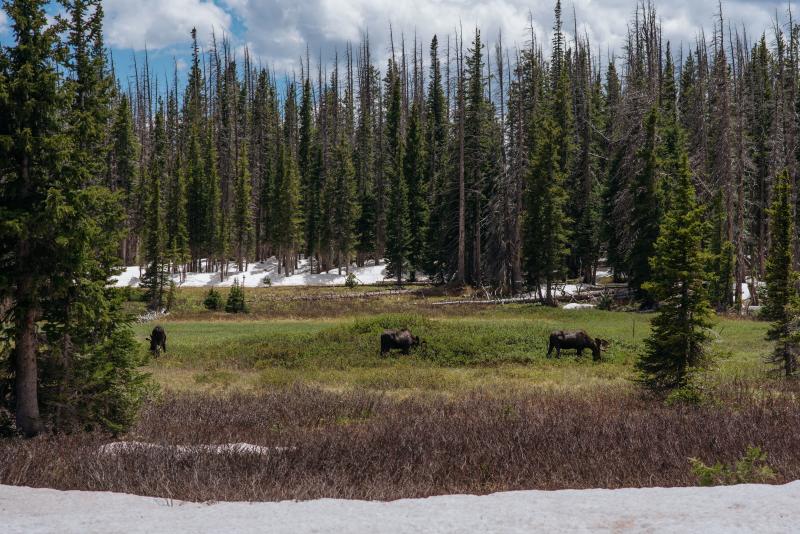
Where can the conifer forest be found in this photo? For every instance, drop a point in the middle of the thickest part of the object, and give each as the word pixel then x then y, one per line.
pixel 502 167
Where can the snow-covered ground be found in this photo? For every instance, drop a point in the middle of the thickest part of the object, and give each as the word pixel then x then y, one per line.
pixel 732 509
pixel 256 272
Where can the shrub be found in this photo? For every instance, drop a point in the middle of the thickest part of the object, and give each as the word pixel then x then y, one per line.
pixel 235 302
pixel 213 300
pixel 171 295
pixel 351 281
pixel 752 468
pixel 605 302
pixel 266 281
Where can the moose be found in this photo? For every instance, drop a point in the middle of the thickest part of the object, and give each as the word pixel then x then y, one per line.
pixel 398 339
pixel 578 340
pixel 158 341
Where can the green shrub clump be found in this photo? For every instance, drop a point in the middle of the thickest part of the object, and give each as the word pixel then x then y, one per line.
pixel 752 468
pixel 235 302
pixel 213 300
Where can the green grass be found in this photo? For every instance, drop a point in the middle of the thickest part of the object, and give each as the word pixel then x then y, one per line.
pixel 497 347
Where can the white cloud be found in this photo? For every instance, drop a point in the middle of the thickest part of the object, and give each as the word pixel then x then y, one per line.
pixel 158 24
pixel 278 31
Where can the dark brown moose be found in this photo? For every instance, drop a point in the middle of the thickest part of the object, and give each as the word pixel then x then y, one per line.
pixel 576 340
pixel 403 340
pixel 158 341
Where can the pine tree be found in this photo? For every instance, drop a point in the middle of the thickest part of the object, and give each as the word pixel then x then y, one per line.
pixel 309 176
pixel 414 172
pixel 545 235
pixel 235 302
pixel 397 215
pixel 242 211
pixel 436 131
pixel 344 216
pixel 73 359
pixel 155 276
pixel 645 217
pixel 677 341
pixel 779 276
pixel 721 259
pixel 124 176
pixel 178 244
pixel 782 305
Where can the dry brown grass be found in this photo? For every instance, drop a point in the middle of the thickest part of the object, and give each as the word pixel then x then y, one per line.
pixel 366 445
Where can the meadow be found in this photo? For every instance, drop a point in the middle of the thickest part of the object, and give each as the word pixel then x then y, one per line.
pixel 477 408
pixel 331 340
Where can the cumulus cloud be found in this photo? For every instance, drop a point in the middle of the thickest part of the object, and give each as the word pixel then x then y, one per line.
pixel 278 31
pixel 158 24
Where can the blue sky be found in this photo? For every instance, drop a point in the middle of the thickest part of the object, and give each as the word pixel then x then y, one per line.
pixel 277 31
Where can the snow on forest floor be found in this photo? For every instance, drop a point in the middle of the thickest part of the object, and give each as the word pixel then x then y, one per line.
pixel 256 273
pixel 730 509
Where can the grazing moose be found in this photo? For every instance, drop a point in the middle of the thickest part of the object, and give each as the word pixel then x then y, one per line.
pixel 576 340
pixel 158 341
pixel 398 339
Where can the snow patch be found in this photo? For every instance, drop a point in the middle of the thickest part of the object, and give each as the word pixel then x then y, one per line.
pixel 256 273
pixel 120 447
pixel 731 509
pixel 578 306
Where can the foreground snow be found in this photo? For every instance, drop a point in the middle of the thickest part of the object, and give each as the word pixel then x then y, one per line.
pixel 746 508
pixel 256 273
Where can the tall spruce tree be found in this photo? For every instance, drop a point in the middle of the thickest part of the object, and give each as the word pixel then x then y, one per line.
pixel 645 217
pixel 545 235
pixel 676 344
pixel 782 306
pixel 779 276
pixel 397 214
pixel 68 345
pixel 414 172
pixel 243 211
pixel 721 258
pixel 155 276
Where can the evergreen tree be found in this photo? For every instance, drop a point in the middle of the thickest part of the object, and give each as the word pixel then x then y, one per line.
pixel 236 302
pixel 242 216
pixel 309 176
pixel 721 259
pixel 344 216
pixel 397 215
pixel 679 332
pixel 779 276
pixel 124 176
pixel 545 236
pixel 414 172
pixel 73 362
pixel 645 214
pixel 436 131
pixel 782 306
pixel 178 244
pixel 155 275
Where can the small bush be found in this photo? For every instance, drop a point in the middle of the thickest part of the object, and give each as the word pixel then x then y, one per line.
pixel 351 281
pixel 752 468
pixel 213 300
pixel 235 302
pixel 171 295
pixel 605 302
pixel 266 281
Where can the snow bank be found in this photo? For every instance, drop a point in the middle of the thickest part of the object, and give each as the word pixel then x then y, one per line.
pixel 120 447
pixel 746 508
pixel 256 272
pixel 578 306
